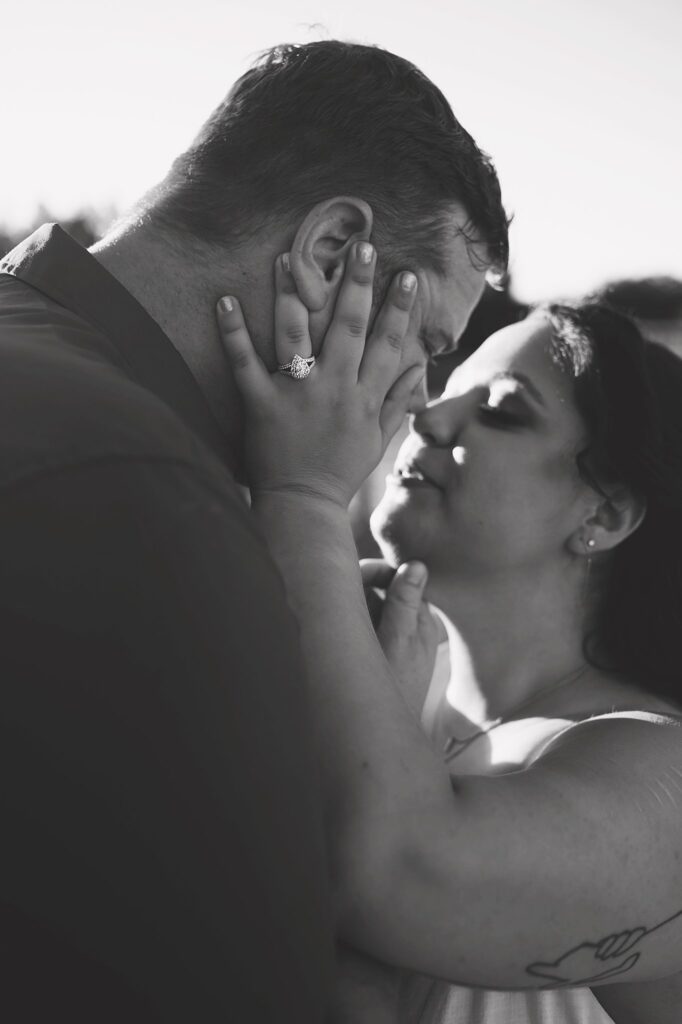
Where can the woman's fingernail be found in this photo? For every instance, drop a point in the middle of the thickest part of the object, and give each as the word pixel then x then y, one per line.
pixel 365 252
pixel 408 282
pixel 286 264
pixel 226 304
pixel 415 573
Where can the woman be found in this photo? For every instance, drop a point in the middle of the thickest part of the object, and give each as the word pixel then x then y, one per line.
pixel 541 493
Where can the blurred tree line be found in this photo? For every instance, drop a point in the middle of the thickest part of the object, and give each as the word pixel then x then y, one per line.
pixel 86 227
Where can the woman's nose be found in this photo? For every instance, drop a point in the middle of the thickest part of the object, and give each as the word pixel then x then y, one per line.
pixel 436 422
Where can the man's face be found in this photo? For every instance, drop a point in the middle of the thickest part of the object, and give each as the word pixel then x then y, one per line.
pixel 443 305
pixel 441 310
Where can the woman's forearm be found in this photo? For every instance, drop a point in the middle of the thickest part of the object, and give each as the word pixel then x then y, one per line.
pixel 381 775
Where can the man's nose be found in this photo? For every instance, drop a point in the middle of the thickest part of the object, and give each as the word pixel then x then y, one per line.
pixel 419 398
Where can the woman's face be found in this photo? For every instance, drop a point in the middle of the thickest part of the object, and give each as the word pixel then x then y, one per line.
pixel 488 476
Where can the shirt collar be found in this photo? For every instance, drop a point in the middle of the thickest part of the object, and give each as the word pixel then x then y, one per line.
pixel 55 264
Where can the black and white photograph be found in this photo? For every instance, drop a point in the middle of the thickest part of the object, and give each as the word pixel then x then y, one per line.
pixel 341 512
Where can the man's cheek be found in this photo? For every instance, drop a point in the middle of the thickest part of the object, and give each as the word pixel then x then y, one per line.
pixel 419 398
pixel 413 352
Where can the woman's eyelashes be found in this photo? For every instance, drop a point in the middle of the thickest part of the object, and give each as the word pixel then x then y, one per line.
pixel 502 415
pixel 504 405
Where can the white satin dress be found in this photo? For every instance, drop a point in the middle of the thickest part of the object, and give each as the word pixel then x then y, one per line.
pixel 425 1001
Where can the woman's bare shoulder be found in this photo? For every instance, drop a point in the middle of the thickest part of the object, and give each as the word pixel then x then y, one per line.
pixel 610 694
pixel 641 739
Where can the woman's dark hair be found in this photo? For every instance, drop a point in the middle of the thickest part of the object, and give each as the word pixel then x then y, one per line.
pixel 327 118
pixel 646 298
pixel 629 392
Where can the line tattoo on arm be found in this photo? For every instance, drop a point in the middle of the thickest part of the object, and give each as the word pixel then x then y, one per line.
pixel 593 961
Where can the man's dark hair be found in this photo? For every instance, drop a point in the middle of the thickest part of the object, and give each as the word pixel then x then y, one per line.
pixel 308 122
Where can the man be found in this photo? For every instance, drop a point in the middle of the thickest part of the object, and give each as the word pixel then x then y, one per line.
pixel 164 855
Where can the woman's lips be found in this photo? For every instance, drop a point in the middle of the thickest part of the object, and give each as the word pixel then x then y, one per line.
pixel 412 478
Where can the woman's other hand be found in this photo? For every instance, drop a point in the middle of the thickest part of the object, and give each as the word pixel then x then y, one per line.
pixel 406 628
pixel 324 434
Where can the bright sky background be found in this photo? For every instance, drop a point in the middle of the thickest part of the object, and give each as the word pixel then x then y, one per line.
pixel 578 101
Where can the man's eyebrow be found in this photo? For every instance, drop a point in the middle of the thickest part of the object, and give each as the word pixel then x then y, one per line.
pixel 525 382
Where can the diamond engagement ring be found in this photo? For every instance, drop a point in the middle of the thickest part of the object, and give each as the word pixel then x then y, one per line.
pixel 298 368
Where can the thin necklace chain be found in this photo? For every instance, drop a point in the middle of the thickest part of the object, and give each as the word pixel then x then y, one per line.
pixel 451 754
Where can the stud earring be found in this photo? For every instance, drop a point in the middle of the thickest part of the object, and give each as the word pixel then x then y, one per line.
pixel 590 545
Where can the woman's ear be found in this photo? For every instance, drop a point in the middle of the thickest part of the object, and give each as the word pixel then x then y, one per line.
pixel 609 524
pixel 321 245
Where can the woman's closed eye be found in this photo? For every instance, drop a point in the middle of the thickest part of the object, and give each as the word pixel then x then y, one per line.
pixel 501 416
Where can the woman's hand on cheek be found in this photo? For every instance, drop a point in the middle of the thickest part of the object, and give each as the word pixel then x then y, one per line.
pixel 324 434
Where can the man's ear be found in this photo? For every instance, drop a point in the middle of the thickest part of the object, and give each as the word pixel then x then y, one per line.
pixel 609 524
pixel 321 246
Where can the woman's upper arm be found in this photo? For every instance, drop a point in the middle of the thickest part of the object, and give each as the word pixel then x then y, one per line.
pixel 566 873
